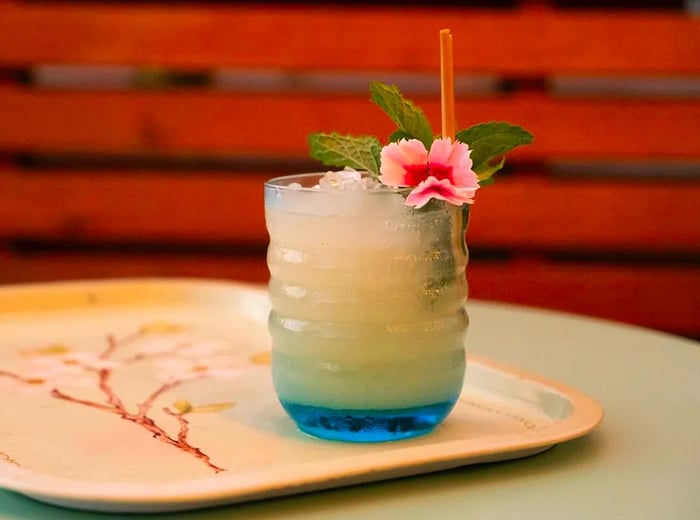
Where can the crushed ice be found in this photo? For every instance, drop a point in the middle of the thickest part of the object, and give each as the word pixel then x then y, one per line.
pixel 347 179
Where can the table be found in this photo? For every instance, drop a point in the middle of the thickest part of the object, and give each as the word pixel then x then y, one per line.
pixel 642 462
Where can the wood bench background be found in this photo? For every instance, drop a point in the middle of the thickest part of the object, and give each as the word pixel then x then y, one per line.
pixel 134 139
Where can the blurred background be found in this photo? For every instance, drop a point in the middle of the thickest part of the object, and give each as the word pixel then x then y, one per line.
pixel 135 137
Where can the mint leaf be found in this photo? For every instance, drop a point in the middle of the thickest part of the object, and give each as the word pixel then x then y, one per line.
pixel 360 153
pixel 488 179
pixel 463 228
pixel 489 141
pixel 398 135
pixel 408 117
pixel 485 173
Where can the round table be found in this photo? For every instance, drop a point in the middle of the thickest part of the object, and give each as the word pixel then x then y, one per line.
pixel 642 462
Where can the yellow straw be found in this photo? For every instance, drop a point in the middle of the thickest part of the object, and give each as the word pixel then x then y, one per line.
pixel 447 85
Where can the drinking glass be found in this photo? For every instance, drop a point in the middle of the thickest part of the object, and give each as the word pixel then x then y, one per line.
pixel 368 317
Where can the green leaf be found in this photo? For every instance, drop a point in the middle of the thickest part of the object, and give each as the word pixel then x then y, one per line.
pixel 489 141
pixel 398 135
pixel 485 174
pixel 408 117
pixel 463 228
pixel 488 181
pixel 360 153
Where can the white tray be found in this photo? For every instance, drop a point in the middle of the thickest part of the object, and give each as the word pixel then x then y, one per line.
pixel 85 412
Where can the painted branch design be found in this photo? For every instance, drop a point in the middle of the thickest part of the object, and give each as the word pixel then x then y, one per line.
pixel 182 360
pixel 6 458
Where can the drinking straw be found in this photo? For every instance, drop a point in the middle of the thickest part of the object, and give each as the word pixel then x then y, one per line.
pixel 447 85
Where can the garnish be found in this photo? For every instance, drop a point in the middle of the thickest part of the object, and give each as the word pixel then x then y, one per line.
pixel 410 120
pixel 443 173
pixel 450 167
pixel 436 167
pixel 489 142
pixel 346 151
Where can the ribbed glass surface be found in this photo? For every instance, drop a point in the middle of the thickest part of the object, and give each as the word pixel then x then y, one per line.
pixel 367 310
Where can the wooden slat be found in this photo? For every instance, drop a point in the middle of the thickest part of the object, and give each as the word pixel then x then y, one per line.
pixel 658 297
pixel 520 214
pixel 233 123
pixel 133 207
pixel 589 215
pixel 303 37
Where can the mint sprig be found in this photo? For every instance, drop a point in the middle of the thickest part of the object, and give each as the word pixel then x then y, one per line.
pixel 397 135
pixel 362 153
pixel 489 142
pixel 410 119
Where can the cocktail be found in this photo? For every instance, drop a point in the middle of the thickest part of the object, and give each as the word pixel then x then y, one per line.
pixel 367 269
pixel 368 315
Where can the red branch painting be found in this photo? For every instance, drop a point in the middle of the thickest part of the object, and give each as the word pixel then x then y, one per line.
pixel 180 360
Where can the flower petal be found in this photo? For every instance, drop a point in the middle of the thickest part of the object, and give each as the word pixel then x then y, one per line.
pixel 441 151
pixel 432 188
pixel 457 156
pixel 396 157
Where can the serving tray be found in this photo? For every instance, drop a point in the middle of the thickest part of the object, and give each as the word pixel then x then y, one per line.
pixel 155 395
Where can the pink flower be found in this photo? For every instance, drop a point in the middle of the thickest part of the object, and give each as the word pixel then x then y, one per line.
pixel 445 172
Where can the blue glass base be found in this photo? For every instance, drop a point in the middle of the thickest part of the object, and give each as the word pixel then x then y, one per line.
pixel 367 425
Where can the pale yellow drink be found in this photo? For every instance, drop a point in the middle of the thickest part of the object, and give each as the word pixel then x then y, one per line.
pixel 368 315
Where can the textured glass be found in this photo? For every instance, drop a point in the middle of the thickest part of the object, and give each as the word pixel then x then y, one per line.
pixel 368 316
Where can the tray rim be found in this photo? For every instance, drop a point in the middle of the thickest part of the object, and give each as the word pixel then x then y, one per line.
pixel 586 414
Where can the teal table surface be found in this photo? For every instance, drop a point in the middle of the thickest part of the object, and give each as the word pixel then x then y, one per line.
pixel 642 462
